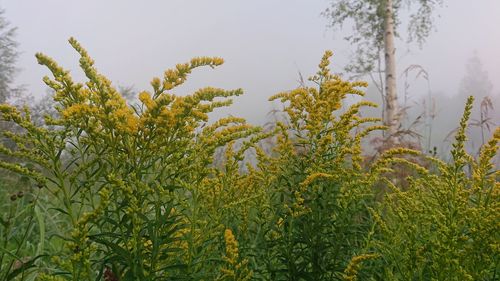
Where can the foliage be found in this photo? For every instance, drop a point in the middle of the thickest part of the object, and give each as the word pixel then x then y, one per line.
pixel 445 226
pixel 8 57
pixel 367 18
pixel 133 192
pixel 21 232
pixel 319 192
pixel 119 198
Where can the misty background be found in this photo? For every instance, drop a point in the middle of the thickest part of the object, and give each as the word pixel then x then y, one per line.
pixel 265 44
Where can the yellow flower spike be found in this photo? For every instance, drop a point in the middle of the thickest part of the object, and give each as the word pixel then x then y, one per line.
pixel 87 65
pixel 325 62
pixel 156 84
pixel 421 170
pixel 206 61
pixel 146 99
pixel 482 169
pixel 315 176
pixel 50 64
pixel 459 154
pixel 351 272
pixel 235 269
pixel 399 151
pixel 78 47
pixel 231 247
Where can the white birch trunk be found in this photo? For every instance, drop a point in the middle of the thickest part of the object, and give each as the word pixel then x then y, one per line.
pixel 391 116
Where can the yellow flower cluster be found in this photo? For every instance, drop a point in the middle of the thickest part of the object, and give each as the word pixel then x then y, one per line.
pixel 231 247
pixel 156 181
pixel 351 272
pixel 481 172
pixel 235 269
pixel 127 155
pixel 98 108
pixel 315 115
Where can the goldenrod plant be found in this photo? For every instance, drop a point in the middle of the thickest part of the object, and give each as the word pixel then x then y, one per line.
pixel 118 191
pixel 124 177
pixel 446 225
pixel 317 188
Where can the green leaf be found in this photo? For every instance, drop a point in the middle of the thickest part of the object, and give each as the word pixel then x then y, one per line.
pixel 24 266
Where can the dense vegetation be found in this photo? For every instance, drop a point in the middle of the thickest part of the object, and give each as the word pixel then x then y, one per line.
pixel 112 191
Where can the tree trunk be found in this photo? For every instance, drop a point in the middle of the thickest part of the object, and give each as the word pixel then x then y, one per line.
pixel 392 115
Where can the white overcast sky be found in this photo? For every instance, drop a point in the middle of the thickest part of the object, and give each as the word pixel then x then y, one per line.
pixel 265 43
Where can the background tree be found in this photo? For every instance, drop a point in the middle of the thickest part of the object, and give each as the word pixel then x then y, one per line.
pixel 375 24
pixel 8 57
pixel 477 83
pixel 446 107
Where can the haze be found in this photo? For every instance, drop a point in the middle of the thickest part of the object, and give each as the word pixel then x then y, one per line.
pixel 265 43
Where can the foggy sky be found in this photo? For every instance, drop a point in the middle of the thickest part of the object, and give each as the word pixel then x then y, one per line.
pixel 264 43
